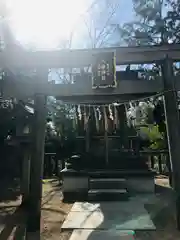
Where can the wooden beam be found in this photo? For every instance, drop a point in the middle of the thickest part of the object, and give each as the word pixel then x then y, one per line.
pixel 25 178
pixel 37 162
pixel 101 100
pixel 84 57
pixel 22 89
pixel 124 87
pixel 173 128
pixel 121 110
pixel 106 140
pixel 177 83
pixel 87 128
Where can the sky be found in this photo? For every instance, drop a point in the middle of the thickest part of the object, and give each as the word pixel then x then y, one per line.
pixel 42 23
pixel 125 12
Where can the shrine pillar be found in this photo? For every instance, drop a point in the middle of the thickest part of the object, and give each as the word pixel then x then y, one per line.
pixel 173 128
pixel 37 160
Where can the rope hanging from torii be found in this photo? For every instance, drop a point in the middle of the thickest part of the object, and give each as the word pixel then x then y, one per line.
pixel 107 112
pixel 105 117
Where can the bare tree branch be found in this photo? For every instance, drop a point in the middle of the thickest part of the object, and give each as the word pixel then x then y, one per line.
pixel 101 38
pixel 114 9
pixel 89 32
pixel 95 36
pixel 104 39
pixel 91 6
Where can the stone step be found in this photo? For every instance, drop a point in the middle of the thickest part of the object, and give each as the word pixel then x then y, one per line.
pixel 120 173
pixel 107 194
pixel 100 191
pixel 130 164
pixel 107 180
pixel 107 183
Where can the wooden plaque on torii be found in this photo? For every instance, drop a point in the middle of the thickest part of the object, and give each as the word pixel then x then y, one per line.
pixel 104 70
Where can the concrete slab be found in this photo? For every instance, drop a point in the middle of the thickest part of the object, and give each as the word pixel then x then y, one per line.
pixel 146 198
pixel 109 220
pixel 101 235
pixel 109 206
pixel 109 215
pixel 85 206
pixel 141 185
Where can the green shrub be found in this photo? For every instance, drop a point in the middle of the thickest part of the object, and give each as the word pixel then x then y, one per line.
pixel 155 137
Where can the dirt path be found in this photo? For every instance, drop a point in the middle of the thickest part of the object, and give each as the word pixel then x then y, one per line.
pixel 12 218
pixel 54 212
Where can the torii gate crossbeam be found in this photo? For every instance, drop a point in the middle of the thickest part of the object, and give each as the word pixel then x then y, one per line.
pixel 84 57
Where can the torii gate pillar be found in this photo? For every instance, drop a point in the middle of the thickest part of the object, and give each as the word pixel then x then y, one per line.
pixel 37 161
pixel 173 128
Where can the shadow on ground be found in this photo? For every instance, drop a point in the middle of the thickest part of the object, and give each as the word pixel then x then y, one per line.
pixel 163 215
pixel 13 218
pixel 9 189
pixel 14 224
pixel 161 209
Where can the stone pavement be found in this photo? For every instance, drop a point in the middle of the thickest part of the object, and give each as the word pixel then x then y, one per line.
pixel 102 234
pixel 108 220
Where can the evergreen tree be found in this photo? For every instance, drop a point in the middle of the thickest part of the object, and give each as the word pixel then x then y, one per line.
pixel 157 22
pixel 173 20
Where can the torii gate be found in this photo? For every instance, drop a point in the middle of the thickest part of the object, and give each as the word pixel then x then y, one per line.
pixel 168 84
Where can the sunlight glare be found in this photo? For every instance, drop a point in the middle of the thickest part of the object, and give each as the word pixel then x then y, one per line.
pixel 44 23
